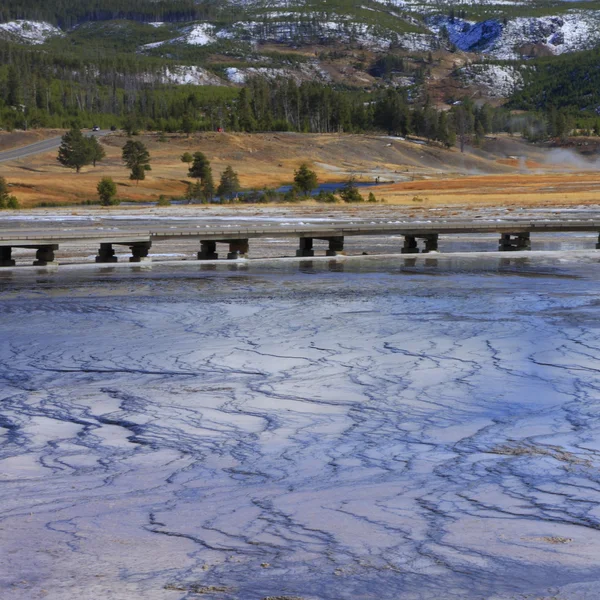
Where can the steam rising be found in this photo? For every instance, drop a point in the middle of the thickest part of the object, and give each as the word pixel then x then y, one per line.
pixel 563 157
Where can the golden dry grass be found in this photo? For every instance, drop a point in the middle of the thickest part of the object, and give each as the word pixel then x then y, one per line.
pixel 434 176
pixel 499 190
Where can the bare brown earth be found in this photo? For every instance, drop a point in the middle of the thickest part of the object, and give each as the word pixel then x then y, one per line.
pixel 505 171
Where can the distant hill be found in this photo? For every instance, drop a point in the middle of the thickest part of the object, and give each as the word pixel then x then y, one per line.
pixel 103 56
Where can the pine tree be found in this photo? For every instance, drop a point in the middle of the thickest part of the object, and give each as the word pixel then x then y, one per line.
pixel 74 151
pixel 305 179
pixel 96 150
pixel 187 125
pixel 431 119
pixel 208 186
pixel 229 185
pixel 13 86
pixel 246 119
pixel 138 173
pixel 199 165
pixel 444 133
pixel 202 171
pixel 131 125
pixel 137 158
pixel 190 192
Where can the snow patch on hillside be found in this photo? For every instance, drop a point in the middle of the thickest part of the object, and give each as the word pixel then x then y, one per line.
pixel 199 34
pixel 154 45
pixel 305 72
pixel 427 4
pixel 499 81
pixel 310 30
pixel 575 30
pixel 523 36
pixel 192 75
pixel 29 32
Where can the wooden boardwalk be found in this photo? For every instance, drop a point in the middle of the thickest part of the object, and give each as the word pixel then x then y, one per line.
pixel 514 235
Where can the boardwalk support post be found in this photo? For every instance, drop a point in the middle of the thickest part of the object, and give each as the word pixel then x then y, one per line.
pixel 44 255
pixel 336 246
pixel 6 259
pixel 238 249
pixel 208 251
pixel 306 247
pixel 431 242
pixel 139 251
pixel 106 254
pixel 509 242
pixel 410 245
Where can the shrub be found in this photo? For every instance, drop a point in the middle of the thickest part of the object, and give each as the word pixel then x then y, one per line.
pixel 324 196
pixel 350 193
pixel 107 190
pixel 12 202
pixel 6 199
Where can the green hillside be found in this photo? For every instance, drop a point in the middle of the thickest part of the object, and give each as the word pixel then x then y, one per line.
pixel 570 81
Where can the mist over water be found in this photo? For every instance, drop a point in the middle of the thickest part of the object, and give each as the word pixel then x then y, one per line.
pixel 404 429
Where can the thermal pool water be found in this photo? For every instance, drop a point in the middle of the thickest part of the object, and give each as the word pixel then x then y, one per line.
pixel 363 429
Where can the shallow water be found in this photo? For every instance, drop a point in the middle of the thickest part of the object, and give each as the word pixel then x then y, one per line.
pixel 407 428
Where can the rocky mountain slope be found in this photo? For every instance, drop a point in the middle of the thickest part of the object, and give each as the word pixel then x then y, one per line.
pixel 337 40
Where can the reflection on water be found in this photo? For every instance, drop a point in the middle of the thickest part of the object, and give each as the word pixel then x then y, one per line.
pixel 551 265
pixel 521 261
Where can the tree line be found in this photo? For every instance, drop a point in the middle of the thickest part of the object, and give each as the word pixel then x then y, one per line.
pixel 38 94
pixel 569 82
pixel 67 13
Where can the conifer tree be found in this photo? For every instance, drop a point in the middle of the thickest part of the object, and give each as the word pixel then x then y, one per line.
pixel 245 116
pixel 187 125
pixel 131 125
pixel 96 150
pixel 305 179
pixel 229 185
pixel 137 158
pixel 13 85
pixel 202 171
pixel 74 151
pixel 138 173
